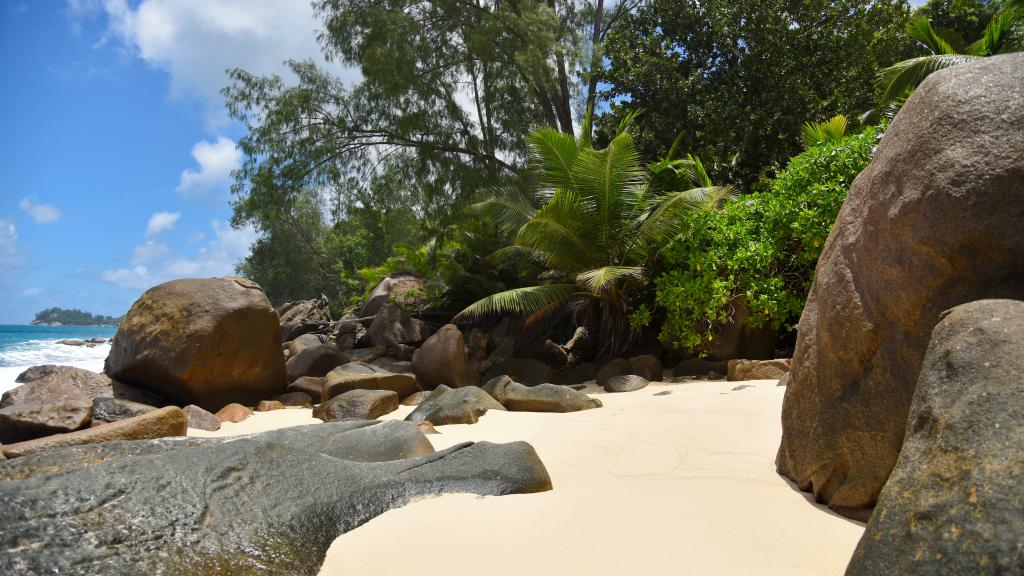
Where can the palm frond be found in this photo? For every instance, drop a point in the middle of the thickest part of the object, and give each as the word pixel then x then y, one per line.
pixel 901 78
pixel 554 231
pixel 600 280
pixel 554 154
pixel 814 133
pixel 515 255
pixel 936 40
pixel 667 217
pixel 996 33
pixel 605 179
pixel 507 207
pixel 628 120
pixel 518 302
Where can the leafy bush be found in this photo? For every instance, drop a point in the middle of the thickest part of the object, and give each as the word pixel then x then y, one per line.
pixel 761 249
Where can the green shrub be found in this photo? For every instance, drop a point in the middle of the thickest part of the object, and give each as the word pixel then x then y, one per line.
pixel 761 249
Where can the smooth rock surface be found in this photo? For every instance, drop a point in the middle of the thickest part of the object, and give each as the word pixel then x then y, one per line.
pixel 526 371
pixel 250 505
pixel 312 386
pixel 739 370
pixel 364 404
pixel 207 342
pixel 314 361
pixel 390 327
pixel 954 503
pixel 933 222
pixel 454 406
pixel 233 412
pixel 541 398
pixel 201 419
pixel 626 383
pixel 42 407
pixel 612 368
pixel 114 409
pixel 375 378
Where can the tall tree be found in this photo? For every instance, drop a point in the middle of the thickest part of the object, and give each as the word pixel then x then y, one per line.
pixel 740 77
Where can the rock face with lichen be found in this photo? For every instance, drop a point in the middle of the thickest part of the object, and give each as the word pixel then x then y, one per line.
pixel 934 221
pixel 251 505
pixel 207 342
pixel 954 504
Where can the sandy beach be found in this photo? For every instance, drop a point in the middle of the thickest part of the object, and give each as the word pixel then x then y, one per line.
pixel 652 483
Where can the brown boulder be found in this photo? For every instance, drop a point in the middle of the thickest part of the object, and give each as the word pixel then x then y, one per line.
pixel 934 221
pixel 300 399
pixel 611 369
pixel 526 371
pixel 233 413
pixel 757 369
pixel 268 405
pixel 201 341
pixel 365 404
pixel 43 407
pixel 314 361
pixel 391 327
pixel 442 360
pixel 416 398
pixel 373 378
pixel 201 419
pixel 169 421
pixel 401 287
pixel 648 366
pixel 92 384
pixel 309 385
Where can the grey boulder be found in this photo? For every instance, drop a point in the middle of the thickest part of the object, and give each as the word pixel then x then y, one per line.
pixel 454 406
pixel 364 404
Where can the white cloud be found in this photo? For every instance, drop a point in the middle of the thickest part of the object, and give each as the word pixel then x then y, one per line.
pixel 216 161
pixel 32 292
pixel 154 262
pixel 161 222
pixel 196 41
pixel 9 255
pixel 41 213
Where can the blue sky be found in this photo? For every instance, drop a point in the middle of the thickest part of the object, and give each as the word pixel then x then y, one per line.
pixel 116 149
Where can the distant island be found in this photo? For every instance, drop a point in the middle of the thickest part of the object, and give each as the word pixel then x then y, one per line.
pixel 73 317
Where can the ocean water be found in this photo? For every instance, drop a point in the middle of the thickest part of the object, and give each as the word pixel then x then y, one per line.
pixel 25 346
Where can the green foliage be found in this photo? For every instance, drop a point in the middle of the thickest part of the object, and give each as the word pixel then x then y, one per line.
pixel 815 133
pixel 739 77
pixel 597 228
pixel 73 317
pixel 946 48
pixel 965 18
pixel 760 250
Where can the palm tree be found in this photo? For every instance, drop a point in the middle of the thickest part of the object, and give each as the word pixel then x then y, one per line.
pixel 947 49
pixel 594 225
pixel 814 133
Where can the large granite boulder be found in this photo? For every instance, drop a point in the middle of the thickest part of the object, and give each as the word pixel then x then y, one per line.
pixel 442 360
pixel 934 221
pixel 391 327
pixel 42 407
pixel 92 384
pixel 207 342
pixel 454 406
pixel 953 503
pixel 365 404
pixel 314 361
pixel 401 287
pixel 169 421
pixel 541 398
pixel 265 504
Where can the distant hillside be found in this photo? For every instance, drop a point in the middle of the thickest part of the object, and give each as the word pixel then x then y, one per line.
pixel 74 317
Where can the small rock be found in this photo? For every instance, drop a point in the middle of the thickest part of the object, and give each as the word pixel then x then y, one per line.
pixel 741 387
pixel 365 404
pixel 201 419
pixel 114 409
pixel 346 379
pixel 626 383
pixel 233 413
pixel 739 370
pixel 663 393
pixel 311 386
pixel 426 428
pixel 268 405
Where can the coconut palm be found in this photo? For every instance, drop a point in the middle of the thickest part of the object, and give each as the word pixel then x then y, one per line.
pixel 948 49
pixel 594 225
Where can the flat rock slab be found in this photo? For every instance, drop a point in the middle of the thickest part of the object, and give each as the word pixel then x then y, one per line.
pixel 169 421
pixel 249 505
pixel 542 398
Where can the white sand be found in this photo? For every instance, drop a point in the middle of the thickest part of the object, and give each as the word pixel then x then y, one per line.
pixel 677 484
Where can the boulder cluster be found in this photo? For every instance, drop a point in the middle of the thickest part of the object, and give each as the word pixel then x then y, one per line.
pixel 904 405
